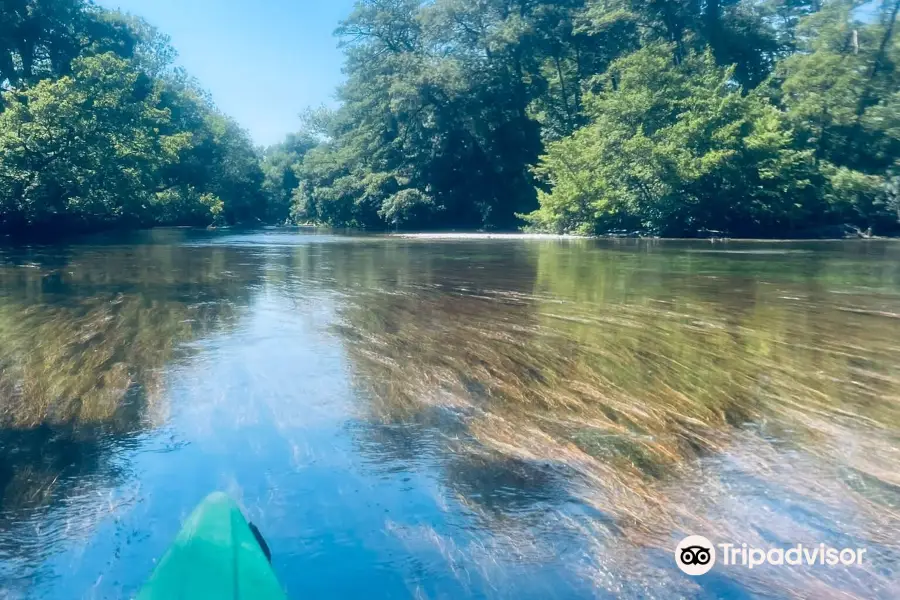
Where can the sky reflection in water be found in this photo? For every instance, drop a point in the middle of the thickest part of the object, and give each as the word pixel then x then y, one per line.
pixel 450 418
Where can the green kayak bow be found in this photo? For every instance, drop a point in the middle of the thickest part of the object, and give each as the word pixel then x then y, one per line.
pixel 217 555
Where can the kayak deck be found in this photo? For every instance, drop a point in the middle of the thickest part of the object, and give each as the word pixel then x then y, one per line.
pixel 217 555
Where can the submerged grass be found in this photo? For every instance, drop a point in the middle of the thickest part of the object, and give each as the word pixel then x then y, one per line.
pixel 626 394
pixel 86 339
pixel 670 401
pixel 83 338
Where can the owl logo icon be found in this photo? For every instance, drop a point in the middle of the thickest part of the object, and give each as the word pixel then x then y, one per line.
pixel 695 555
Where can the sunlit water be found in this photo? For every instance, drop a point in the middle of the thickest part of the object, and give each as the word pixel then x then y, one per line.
pixel 451 418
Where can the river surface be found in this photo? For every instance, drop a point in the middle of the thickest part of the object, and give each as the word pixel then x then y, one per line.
pixel 451 418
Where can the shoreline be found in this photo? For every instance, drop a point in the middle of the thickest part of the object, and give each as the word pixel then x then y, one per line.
pixel 75 237
pixel 551 236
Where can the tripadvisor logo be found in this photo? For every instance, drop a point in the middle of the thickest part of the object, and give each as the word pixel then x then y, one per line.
pixel 696 555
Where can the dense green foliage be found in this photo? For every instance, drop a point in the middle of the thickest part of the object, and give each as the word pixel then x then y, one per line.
pixel 671 117
pixel 749 117
pixel 280 176
pixel 676 144
pixel 98 129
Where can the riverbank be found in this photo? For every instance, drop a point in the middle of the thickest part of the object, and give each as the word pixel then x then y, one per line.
pixel 550 236
pixel 44 236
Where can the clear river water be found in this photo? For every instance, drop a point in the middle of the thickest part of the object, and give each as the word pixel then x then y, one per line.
pixel 451 418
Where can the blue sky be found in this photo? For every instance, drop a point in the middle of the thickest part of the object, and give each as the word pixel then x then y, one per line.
pixel 264 61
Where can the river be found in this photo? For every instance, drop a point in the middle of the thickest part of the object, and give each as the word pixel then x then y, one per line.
pixel 451 418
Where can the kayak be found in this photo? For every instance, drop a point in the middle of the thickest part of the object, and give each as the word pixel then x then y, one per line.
pixel 217 555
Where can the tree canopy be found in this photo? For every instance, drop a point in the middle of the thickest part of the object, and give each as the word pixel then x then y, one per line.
pixel 745 117
pixel 98 129
pixel 670 117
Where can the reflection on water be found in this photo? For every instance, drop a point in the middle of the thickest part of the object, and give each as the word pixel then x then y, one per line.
pixel 87 334
pixel 447 418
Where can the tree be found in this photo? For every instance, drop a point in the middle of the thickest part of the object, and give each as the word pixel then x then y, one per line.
pixel 677 145
pixel 841 94
pixel 40 38
pixel 437 107
pixel 280 178
pixel 451 103
pixel 675 150
pixel 99 130
pixel 85 146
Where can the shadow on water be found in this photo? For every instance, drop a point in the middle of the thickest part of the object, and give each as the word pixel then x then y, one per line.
pixel 86 335
pixel 658 387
